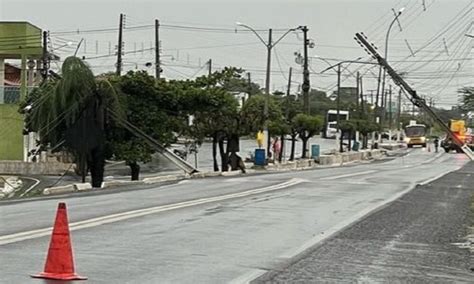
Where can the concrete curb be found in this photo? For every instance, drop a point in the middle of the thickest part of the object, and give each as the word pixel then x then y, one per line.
pixel 324 161
pixel 112 183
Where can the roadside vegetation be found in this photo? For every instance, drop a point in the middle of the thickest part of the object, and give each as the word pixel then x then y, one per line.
pixel 84 115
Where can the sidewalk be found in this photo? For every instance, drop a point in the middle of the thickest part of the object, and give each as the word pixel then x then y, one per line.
pixel 420 238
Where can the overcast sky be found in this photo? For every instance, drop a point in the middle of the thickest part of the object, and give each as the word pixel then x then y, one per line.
pixel 436 70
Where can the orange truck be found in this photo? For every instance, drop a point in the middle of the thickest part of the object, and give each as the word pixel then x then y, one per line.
pixel 458 127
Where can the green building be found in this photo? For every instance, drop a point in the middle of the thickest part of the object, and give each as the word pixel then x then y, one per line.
pixel 18 41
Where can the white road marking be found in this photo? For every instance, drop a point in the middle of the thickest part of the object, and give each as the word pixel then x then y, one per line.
pixel 94 222
pixel 349 175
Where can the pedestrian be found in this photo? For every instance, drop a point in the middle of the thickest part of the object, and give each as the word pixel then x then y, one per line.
pixel 260 137
pixel 276 148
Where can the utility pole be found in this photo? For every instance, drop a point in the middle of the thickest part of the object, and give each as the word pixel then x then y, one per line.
pixel 249 81
pixel 267 90
pixel 357 94
pixel 338 106
pixel 399 110
pixel 157 51
pixel 390 107
pixel 119 47
pixel 361 97
pixel 306 82
pixel 288 90
pixel 267 79
pixel 209 65
pixel 45 59
pixel 287 116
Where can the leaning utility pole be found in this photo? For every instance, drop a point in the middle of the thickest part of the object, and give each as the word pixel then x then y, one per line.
pixel 415 98
pixel 157 51
pixel 306 83
pixel 119 47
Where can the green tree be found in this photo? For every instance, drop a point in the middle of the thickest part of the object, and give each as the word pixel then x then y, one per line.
pixel 252 113
pixel 69 113
pixel 290 107
pixel 365 127
pixel 148 108
pixel 215 116
pixel 306 126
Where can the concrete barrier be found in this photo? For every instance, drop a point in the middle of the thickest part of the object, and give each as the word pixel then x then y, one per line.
pixel 26 168
pixel 82 186
pixel 59 189
pixel 205 174
pixel 158 179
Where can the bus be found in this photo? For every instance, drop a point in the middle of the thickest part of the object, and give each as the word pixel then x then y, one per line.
pixel 330 122
pixel 415 134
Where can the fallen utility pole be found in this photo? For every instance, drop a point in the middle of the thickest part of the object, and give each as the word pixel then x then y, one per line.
pixel 172 157
pixel 415 99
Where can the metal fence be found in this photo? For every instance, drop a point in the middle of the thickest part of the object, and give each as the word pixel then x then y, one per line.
pixel 11 95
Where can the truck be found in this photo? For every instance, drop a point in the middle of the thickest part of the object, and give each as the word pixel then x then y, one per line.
pixel 458 128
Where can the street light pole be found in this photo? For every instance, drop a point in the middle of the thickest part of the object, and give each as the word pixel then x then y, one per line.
pixel 267 78
pixel 338 105
pixel 386 58
pixel 269 45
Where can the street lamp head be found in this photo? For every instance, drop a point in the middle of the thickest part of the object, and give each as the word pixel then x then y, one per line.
pixel 239 24
pixel 401 11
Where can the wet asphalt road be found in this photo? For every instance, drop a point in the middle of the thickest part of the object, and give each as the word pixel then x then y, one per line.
pixel 410 241
pixel 209 230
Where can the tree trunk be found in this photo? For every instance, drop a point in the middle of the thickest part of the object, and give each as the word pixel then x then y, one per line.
pixel 95 163
pixel 305 142
pixel 282 148
pixel 293 144
pixel 224 160
pixel 349 139
pixel 341 142
pixel 232 149
pixel 214 152
pixel 135 170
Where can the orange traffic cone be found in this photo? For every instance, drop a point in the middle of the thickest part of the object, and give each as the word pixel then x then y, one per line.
pixel 60 262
